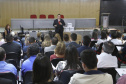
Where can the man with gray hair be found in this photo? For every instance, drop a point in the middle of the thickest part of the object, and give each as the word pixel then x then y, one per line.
pixel 105 59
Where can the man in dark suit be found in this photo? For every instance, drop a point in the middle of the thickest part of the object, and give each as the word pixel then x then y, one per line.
pixel 10 46
pixel 58 24
pixel 73 38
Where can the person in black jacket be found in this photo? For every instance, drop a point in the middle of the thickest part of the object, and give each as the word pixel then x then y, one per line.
pixel 58 24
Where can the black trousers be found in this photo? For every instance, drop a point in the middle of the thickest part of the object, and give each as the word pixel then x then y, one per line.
pixel 60 31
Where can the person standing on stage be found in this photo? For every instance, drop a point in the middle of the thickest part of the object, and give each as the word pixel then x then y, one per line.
pixel 58 24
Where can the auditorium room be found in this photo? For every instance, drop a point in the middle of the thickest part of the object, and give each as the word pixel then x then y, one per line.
pixel 62 41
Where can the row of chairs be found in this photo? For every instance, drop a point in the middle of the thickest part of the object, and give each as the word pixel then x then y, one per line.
pixel 42 16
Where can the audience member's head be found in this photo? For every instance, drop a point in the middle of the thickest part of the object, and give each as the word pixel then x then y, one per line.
pixel 119 34
pixel 103 35
pixel 39 34
pixel 73 37
pixel 27 36
pixel 89 60
pixel 2 54
pixel 16 38
pixel 58 36
pixel 66 37
pixel 9 38
pixel 107 32
pixel 54 41
pixel 33 50
pixel 86 40
pixel 42 69
pixel 32 40
pixel 47 37
pixel 60 48
pixel 114 35
pixel 95 35
pixel 108 47
pixel 71 55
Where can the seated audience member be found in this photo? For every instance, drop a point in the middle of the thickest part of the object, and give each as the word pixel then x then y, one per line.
pixel 124 34
pixel 57 35
pixel 42 71
pixel 122 80
pixel 73 38
pixel 5 81
pixel 53 45
pixel 105 59
pixel 38 39
pixel 86 43
pixel 66 39
pixel 108 35
pixel 103 38
pixel 2 41
pixel 119 36
pixel 71 61
pixel 59 51
pixel 33 50
pixel 31 40
pixel 47 41
pixel 94 36
pixel 115 40
pixel 5 67
pixel 91 75
pixel 16 40
pixel 10 46
pixel 25 40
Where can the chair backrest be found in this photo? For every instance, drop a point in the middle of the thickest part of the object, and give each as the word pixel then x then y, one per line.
pixel 48 54
pixel 67 74
pixel 33 16
pixel 62 16
pixel 12 55
pixel 27 78
pixel 56 61
pixel 12 61
pixel 110 71
pixel 10 76
pixel 42 16
pixel 50 16
pixel 92 43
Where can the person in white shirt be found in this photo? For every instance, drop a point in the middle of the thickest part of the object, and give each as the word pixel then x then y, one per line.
pixel 105 59
pixel 115 40
pixel 91 75
pixel 103 38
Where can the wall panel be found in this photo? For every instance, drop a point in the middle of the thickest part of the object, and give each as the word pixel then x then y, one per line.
pixel 69 8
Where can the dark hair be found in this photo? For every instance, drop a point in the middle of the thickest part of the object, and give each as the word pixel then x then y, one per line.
pixel 119 34
pixel 9 38
pixel 73 36
pixel 108 47
pixel 15 37
pixel 42 69
pixel 33 49
pixel 2 54
pixel 89 58
pixel 66 37
pixel 54 40
pixel 71 55
pixel 31 40
pixel 86 40
pixel 6 26
pixel 58 14
pixel 103 35
pixel 95 35
pixel 114 35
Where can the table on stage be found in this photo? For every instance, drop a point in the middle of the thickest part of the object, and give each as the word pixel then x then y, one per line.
pixel 48 23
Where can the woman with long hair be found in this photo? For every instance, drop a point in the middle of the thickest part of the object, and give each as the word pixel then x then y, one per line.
pixel 47 41
pixel 42 71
